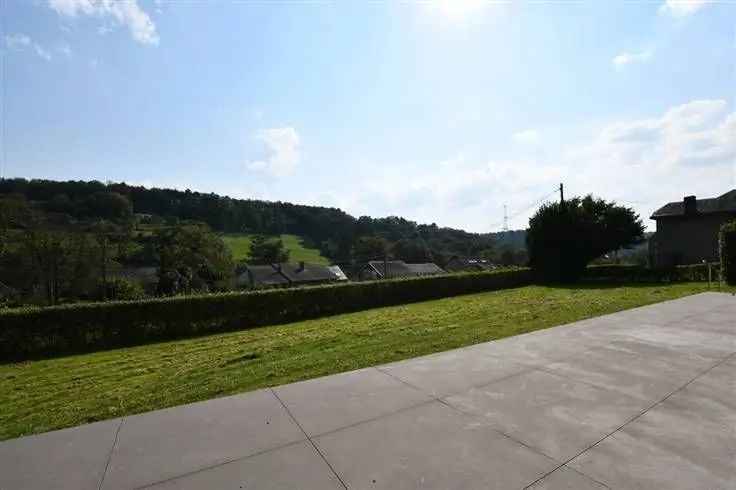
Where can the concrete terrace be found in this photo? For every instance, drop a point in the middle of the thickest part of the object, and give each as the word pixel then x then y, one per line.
pixel 642 399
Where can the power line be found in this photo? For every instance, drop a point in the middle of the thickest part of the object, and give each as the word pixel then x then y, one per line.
pixel 523 210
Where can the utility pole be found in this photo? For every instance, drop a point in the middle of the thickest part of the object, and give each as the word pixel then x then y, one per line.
pixel 562 193
pixel 505 219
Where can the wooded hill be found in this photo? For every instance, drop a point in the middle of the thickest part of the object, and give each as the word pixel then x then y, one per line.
pixel 331 230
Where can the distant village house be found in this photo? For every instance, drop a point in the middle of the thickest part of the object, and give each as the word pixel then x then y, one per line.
pixel 687 230
pixel 391 269
pixel 289 274
pixel 462 264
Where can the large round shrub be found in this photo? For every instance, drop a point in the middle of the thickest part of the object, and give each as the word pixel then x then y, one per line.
pixel 564 237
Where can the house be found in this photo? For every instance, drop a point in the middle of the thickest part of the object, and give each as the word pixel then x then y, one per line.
pixel 687 230
pixel 288 274
pixel 379 269
pixel 335 269
pixel 462 264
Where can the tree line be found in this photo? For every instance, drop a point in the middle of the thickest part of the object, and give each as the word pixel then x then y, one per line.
pixel 65 241
pixel 331 230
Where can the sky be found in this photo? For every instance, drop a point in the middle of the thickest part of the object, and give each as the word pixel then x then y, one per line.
pixel 441 112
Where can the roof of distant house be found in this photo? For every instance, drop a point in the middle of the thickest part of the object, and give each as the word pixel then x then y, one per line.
pixel 288 273
pixel 725 203
pixel 303 272
pixel 399 268
pixel 393 268
pixel 335 269
pixel 458 264
pixel 425 269
pixel 265 274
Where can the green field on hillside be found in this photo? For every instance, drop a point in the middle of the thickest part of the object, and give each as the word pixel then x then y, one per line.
pixel 240 246
pixel 38 396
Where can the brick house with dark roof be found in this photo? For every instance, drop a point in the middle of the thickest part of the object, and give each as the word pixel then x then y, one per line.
pixel 687 230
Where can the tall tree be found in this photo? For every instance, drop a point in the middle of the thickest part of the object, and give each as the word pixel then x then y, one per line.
pixel 192 257
pixel 564 237
pixel 267 250
pixel 412 250
pixel 370 248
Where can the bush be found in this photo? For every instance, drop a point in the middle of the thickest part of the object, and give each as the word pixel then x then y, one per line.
pixel 123 289
pixel 563 238
pixel 727 241
pixel 638 273
pixel 34 332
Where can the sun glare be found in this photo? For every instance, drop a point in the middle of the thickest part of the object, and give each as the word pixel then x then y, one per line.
pixel 458 10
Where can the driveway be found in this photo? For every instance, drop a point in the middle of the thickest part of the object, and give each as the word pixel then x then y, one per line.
pixel 641 399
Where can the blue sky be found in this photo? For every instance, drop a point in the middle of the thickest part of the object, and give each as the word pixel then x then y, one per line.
pixel 439 112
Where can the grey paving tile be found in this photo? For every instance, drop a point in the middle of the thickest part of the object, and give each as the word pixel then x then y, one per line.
pixel 430 447
pixel 676 356
pixel 538 350
pixel 297 466
pixel 645 377
pixel 709 301
pixel 665 448
pixel 71 459
pixel 716 322
pixel 160 445
pixel 711 396
pixel 325 404
pixel 556 415
pixel 659 314
pixel 684 340
pixel 453 371
pixel 565 478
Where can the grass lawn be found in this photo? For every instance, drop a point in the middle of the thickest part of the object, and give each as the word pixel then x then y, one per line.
pixel 239 245
pixel 38 396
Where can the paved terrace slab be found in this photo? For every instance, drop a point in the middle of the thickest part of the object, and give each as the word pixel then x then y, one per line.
pixel 641 399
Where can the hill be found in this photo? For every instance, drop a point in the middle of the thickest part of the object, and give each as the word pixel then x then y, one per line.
pixel 331 230
pixel 239 245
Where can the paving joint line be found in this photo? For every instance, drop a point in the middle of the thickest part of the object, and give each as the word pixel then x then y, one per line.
pixel 217 465
pixel 586 476
pixel 109 455
pixel 699 375
pixel 334 472
pixel 476 416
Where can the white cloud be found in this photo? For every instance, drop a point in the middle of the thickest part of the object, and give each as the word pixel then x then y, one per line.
pixel 683 8
pixel 124 12
pixel 42 52
pixel 526 137
pixel 641 162
pixel 281 147
pixel 627 58
pixel 21 42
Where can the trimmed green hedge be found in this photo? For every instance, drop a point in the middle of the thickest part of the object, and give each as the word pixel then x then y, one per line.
pixel 637 273
pixel 727 241
pixel 36 332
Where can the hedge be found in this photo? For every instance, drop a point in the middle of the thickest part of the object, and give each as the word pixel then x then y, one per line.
pixel 37 332
pixel 727 242
pixel 638 273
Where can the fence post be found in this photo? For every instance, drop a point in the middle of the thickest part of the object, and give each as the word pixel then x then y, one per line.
pixel 709 274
